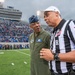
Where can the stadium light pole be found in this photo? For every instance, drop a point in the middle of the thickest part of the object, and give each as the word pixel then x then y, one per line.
pixel 38 14
pixel 2 1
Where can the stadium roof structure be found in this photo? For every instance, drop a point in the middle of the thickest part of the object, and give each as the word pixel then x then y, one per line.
pixel 10 13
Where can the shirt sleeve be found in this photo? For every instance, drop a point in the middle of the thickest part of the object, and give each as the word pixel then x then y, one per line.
pixel 71 31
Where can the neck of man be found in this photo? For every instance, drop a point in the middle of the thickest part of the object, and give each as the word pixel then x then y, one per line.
pixel 57 22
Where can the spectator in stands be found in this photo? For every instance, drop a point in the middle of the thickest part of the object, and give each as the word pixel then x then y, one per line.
pixel 38 39
pixel 14 31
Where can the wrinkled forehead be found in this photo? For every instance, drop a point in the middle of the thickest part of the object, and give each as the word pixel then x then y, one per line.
pixel 47 12
pixel 34 23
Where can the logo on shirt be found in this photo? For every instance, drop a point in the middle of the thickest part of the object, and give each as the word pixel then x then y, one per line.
pixel 58 33
pixel 39 40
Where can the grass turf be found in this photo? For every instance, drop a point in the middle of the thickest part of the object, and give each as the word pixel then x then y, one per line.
pixel 15 62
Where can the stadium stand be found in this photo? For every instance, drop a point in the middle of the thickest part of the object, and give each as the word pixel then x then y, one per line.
pixel 14 32
pixel 10 13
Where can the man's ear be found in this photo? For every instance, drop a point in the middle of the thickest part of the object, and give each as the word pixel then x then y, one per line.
pixel 31 26
pixel 58 14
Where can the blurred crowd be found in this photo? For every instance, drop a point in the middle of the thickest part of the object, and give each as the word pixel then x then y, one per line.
pixel 14 31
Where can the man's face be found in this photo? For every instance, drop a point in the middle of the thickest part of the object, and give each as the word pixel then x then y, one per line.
pixel 35 26
pixel 50 18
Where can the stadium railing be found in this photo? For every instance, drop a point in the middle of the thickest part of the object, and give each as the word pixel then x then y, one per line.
pixel 14 45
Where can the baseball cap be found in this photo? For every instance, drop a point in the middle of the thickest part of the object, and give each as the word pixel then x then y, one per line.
pixel 51 8
pixel 33 19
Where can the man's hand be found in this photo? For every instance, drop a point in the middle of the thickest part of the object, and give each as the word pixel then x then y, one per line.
pixel 46 54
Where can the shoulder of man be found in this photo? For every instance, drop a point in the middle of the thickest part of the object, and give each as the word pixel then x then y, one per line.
pixel 30 35
pixel 70 23
pixel 46 32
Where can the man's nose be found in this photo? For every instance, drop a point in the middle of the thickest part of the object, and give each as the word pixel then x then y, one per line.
pixel 37 25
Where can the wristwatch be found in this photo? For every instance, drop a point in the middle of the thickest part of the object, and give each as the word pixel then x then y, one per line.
pixel 56 56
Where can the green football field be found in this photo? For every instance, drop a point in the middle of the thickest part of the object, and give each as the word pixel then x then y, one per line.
pixel 15 62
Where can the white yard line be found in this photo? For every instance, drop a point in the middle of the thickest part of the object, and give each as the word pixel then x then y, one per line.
pixel 17 51
pixel 22 52
pixel 1 52
pixel 13 50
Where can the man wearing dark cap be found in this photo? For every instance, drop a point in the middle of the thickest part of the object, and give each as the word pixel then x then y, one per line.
pixel 38 39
